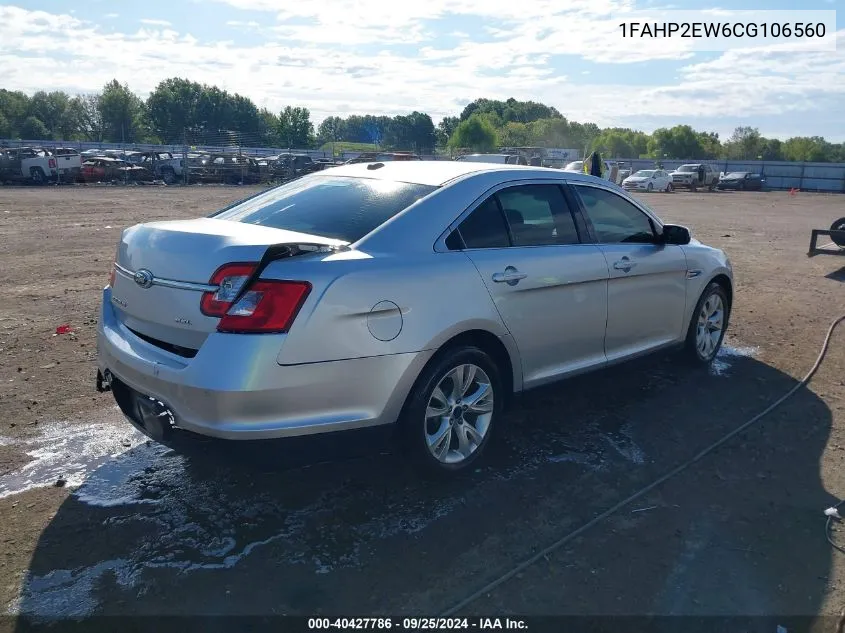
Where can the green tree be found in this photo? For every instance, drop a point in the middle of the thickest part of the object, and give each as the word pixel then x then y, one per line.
pixel 52 109
pixel 711 147
pixel 614 144
pixel 515 134
pixel 5 126
pixel 812 149
pixel 331 130
pixel 551 132
pixel 15 108
pixel 172 108
pixel 680 141
pixel 295 127
pixel 445 129
pixel 121 114
pixel 744 144
pixel 476 133
pixel 33 129
pixel 771 149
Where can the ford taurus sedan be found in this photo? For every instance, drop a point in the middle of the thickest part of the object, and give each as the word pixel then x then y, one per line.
pixel 417 294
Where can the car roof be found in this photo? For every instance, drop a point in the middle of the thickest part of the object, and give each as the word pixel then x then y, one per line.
pixel 439 172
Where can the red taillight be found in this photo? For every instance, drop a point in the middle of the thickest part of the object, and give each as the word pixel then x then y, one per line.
pixel 268 306
pixel 51 163
pixel 111 277
pixel 229 278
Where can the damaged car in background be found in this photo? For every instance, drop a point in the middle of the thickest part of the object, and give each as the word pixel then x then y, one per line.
pixel 107 169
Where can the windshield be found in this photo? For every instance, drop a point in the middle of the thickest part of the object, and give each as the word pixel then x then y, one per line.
pixel 337 207
pixel 687 168
pixel 645 173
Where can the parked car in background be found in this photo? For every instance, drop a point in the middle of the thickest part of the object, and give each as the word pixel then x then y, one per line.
pixel 108 169
pixel 741 181
pixel 695 175
pixel 417 294
pixel 611 170
pixel 28 164
pixel 648 180
pixel 164 165
pixel 68 163
pixel 501 159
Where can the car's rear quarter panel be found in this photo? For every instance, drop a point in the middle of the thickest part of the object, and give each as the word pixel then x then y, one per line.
pixel 439 296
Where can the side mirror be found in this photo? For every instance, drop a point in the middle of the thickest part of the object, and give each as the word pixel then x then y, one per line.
pixel 677 235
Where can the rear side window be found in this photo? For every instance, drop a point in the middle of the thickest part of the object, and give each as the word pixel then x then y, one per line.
pixel 485 227
pixel 336 207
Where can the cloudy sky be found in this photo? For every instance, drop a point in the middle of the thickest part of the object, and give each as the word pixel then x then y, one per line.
pixel 374 56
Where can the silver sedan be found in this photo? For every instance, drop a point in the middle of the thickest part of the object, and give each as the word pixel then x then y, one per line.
pixel 422 294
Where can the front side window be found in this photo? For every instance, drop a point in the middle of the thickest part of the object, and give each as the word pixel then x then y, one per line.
pixel 341 208
pixel 614 219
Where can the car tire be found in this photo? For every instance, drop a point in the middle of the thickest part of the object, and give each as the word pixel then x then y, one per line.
pixel 650 187
pixel 443 446
pixel 839 225
pixel 669 188
pixel 693 187
pixel 168 176
pixel 38 176
pixel 704 339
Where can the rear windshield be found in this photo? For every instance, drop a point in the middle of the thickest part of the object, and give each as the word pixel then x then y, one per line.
pixel 336 207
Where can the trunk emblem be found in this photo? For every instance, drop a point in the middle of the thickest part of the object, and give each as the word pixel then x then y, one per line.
pixel 143 278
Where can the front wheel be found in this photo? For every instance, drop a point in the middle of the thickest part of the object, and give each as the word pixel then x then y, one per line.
pixel 650 187
pixel 669 188
pixel 707 326
pixel 450 414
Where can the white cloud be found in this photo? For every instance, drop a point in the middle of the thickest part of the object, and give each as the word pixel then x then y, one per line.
pixel 317 62
pixel 153 22
pixel 112 16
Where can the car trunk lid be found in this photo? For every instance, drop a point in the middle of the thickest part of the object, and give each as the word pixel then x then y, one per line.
pixel 164 268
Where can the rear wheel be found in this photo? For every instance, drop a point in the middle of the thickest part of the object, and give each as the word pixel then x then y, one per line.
pixel 839 225
pixel 669 188
pixel 450 414
pixel 707 326
pixel 38 176
pixel 168 175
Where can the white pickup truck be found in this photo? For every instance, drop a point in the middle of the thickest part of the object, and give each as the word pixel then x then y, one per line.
pixel 695 175
pixel 39 165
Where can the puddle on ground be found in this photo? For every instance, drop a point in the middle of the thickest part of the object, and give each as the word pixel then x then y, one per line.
pixel 722 364
pixel 67 452
pixel 163 510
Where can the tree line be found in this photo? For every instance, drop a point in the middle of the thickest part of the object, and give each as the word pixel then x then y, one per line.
pixel 180 111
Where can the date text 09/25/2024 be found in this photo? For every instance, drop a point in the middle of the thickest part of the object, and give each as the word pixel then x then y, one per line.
pixel 417 624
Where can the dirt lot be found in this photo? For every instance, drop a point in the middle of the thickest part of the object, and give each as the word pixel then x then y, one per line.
pixel 136 529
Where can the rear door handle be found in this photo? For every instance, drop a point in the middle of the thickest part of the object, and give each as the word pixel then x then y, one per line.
pixel 511 276
pixel 624 264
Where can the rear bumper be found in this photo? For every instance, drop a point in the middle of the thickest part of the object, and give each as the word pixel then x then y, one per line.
pixel 234 388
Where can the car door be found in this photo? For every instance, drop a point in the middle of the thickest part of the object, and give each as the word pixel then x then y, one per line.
pixel 646 293
pixel 549 288
pixel 661 180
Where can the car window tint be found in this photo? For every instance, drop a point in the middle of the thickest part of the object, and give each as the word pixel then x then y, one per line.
pixel 485 227
pixel 336 207
pixel 538 215
pixel 614 219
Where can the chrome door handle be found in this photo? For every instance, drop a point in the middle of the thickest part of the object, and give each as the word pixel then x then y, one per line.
pixel 624 264
pixel 511 276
